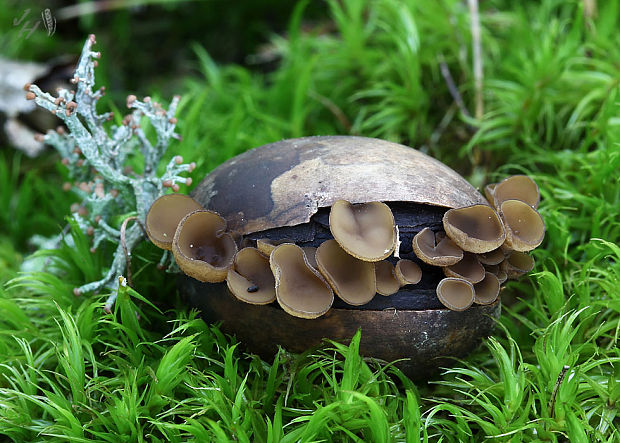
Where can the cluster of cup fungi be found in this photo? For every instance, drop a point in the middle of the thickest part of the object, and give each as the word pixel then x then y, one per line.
pixel 480 247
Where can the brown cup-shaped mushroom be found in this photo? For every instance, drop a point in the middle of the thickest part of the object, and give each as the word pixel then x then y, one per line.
pixel 266 245
pixel 494 257
pixel 387 284
pixel 250 278
pixel 365 230
pixel 164 216
pixel 310 252
pixel 468 269
pixel 300 290
pixel 493 269
pixel 202 248
pixel 443 253
pixel 455 293
pixel 517 264
pixel 489 191
pixel 475 228
pixel 517 187
pixel 353 280
pixel 501 276
pixel 407 272
pixel 525 228
pixel 486 290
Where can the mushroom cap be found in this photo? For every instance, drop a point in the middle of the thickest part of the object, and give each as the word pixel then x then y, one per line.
pixel 266 245
pixel 164 216
pixel 489 190
pixel 387 284
pixel 250 278
pixel 517 264
pixel 468 269
pixel 364 230
pixel 501 276
pixel 310 252
pixel 353 280
pixel 284 183
pixel 486 290
pixel 516 187
pixel 407 272
pixel 525 228
pixel 475 228
pixel 493 269
pixel 201 248
pixel 443 253
pixel 300 290
pixel 455 293
pixel 494 257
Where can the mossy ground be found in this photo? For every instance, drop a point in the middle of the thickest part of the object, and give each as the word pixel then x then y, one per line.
pixel 153 371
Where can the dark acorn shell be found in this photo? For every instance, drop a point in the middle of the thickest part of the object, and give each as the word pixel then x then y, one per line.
pixel 284 190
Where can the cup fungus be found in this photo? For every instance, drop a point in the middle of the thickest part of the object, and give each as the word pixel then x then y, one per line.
pixel 250 278
pixel 475 228
pixel 352 279
pixel 310 252
pixel 300 290
pixel 517 264
pixel 387 283
pixel 455 293
pixel 434 251
pixel 357 200
pixel 202 248
pixel 486 290
pixel 494 257
pixel 164 217
pixel 407 272
pixel 266 245
pixel 516 187
pixel 468 269
pixel 365 230
pixel 501 275
pixel 525 229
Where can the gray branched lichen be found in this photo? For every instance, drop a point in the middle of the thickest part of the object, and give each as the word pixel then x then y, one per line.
pixel 97 160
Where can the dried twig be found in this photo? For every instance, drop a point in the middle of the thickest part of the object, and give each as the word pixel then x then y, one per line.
pixel 558 383
pixel 477 56
pixel 454 92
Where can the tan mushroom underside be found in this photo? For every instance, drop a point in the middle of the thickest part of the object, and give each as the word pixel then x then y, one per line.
pixel 284 183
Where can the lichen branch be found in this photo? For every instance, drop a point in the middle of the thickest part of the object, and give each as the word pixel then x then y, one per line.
pixel 96 153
